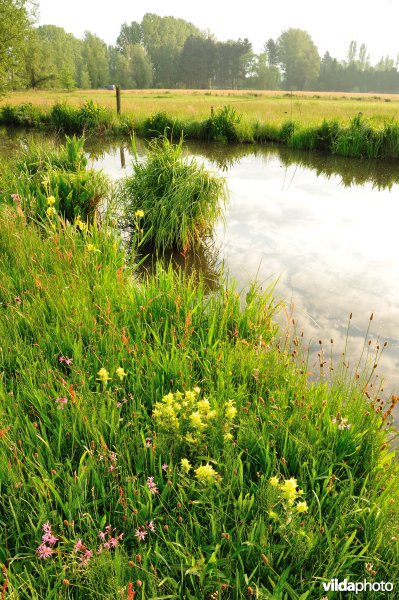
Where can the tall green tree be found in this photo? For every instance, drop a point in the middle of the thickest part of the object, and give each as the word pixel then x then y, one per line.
pixel 52 58
pixel 16 17
pixel 129 35
pixel 198 62
pixel 299 58
pixel 164 39
pixel 95 57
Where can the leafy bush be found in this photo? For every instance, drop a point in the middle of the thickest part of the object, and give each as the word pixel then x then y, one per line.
pixel 179 198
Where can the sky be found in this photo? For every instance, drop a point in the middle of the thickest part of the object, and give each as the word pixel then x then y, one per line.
pixel 331 25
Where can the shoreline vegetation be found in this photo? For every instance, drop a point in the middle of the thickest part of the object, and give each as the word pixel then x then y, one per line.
pixel 368 135
pixel 162 440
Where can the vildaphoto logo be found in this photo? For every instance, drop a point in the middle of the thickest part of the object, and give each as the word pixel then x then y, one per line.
pixel 334 585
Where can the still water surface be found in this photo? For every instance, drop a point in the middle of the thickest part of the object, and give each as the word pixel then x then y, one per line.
pixel 325 227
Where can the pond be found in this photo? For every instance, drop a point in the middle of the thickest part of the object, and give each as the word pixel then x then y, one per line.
pixel 324 228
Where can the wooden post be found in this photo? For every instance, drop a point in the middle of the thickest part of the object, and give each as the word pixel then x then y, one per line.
pixel 211 111
pixel 123 159
pixel 118 99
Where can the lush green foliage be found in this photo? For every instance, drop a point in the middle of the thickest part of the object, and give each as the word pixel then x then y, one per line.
pixel 359 139
pixel 92 364
pixel 46 180
pixel 179 199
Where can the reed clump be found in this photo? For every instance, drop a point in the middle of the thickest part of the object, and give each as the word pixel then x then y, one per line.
pixel 176 199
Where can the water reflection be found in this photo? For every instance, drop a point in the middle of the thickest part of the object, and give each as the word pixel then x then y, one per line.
pixel 202 262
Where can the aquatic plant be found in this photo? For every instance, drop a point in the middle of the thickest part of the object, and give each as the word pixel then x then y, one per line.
pixel 179 198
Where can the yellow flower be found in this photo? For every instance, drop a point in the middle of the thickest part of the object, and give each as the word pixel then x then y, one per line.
pixel 185 465
pixel 139 214
pixel 81 224
pixel 273 515
pixel 228 437
pixel 120 373
pixel 50 211
pixel 206 473
pixel 190 439
pixel 289 489
pixel 302 507
pixel 51 201
pixel 196 421
pixel 230 410
pixel 92 248
pixel 274 481
pixel 103 375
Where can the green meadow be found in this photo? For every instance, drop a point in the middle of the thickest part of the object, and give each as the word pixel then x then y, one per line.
pixel 159 439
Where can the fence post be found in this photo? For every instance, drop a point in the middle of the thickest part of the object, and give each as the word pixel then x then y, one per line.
pixel 118 99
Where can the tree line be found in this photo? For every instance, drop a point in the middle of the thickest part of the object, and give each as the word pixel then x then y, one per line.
pixel 168 52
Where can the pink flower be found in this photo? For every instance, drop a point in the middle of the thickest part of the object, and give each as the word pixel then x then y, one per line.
pixel 151 485
pixel 141 533
pixel 61 402
pixel 101 535
pixel 113 542
pixel 79 546
pixel 151 526
pixel 44 551
pixel 46 527
pixel 107 545
pixel 148 442
pixel 49 538
pixel 165 467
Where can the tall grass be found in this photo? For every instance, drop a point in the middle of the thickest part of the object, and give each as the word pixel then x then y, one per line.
pixel 362 138
pixel 180 200
pixel 47 179
pixel 94 434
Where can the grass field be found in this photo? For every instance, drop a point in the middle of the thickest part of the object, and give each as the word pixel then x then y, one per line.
pixel 160 441
pixel 308 108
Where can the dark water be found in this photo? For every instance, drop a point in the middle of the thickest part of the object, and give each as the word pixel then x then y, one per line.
pixel 325 227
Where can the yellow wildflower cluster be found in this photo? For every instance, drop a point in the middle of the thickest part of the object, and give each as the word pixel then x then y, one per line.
pixel 230 412
pixel 50 212
pixel 289 494
pixel 184 413
pixel 206 474
pixel 139 214
pixel 103 375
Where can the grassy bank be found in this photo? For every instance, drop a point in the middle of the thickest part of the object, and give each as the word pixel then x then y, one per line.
pixel 361 136
pixel 309 108
pixel 158 441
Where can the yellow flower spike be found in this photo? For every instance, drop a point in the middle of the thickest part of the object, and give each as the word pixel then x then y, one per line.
pixel 206 473
pixel 103 375
pixel 185 465
pixel 92 248
pixel 139 214
pixel 274 481
pixel 50 201
pixel 120 372
pixel 50 211
pixel 302 507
